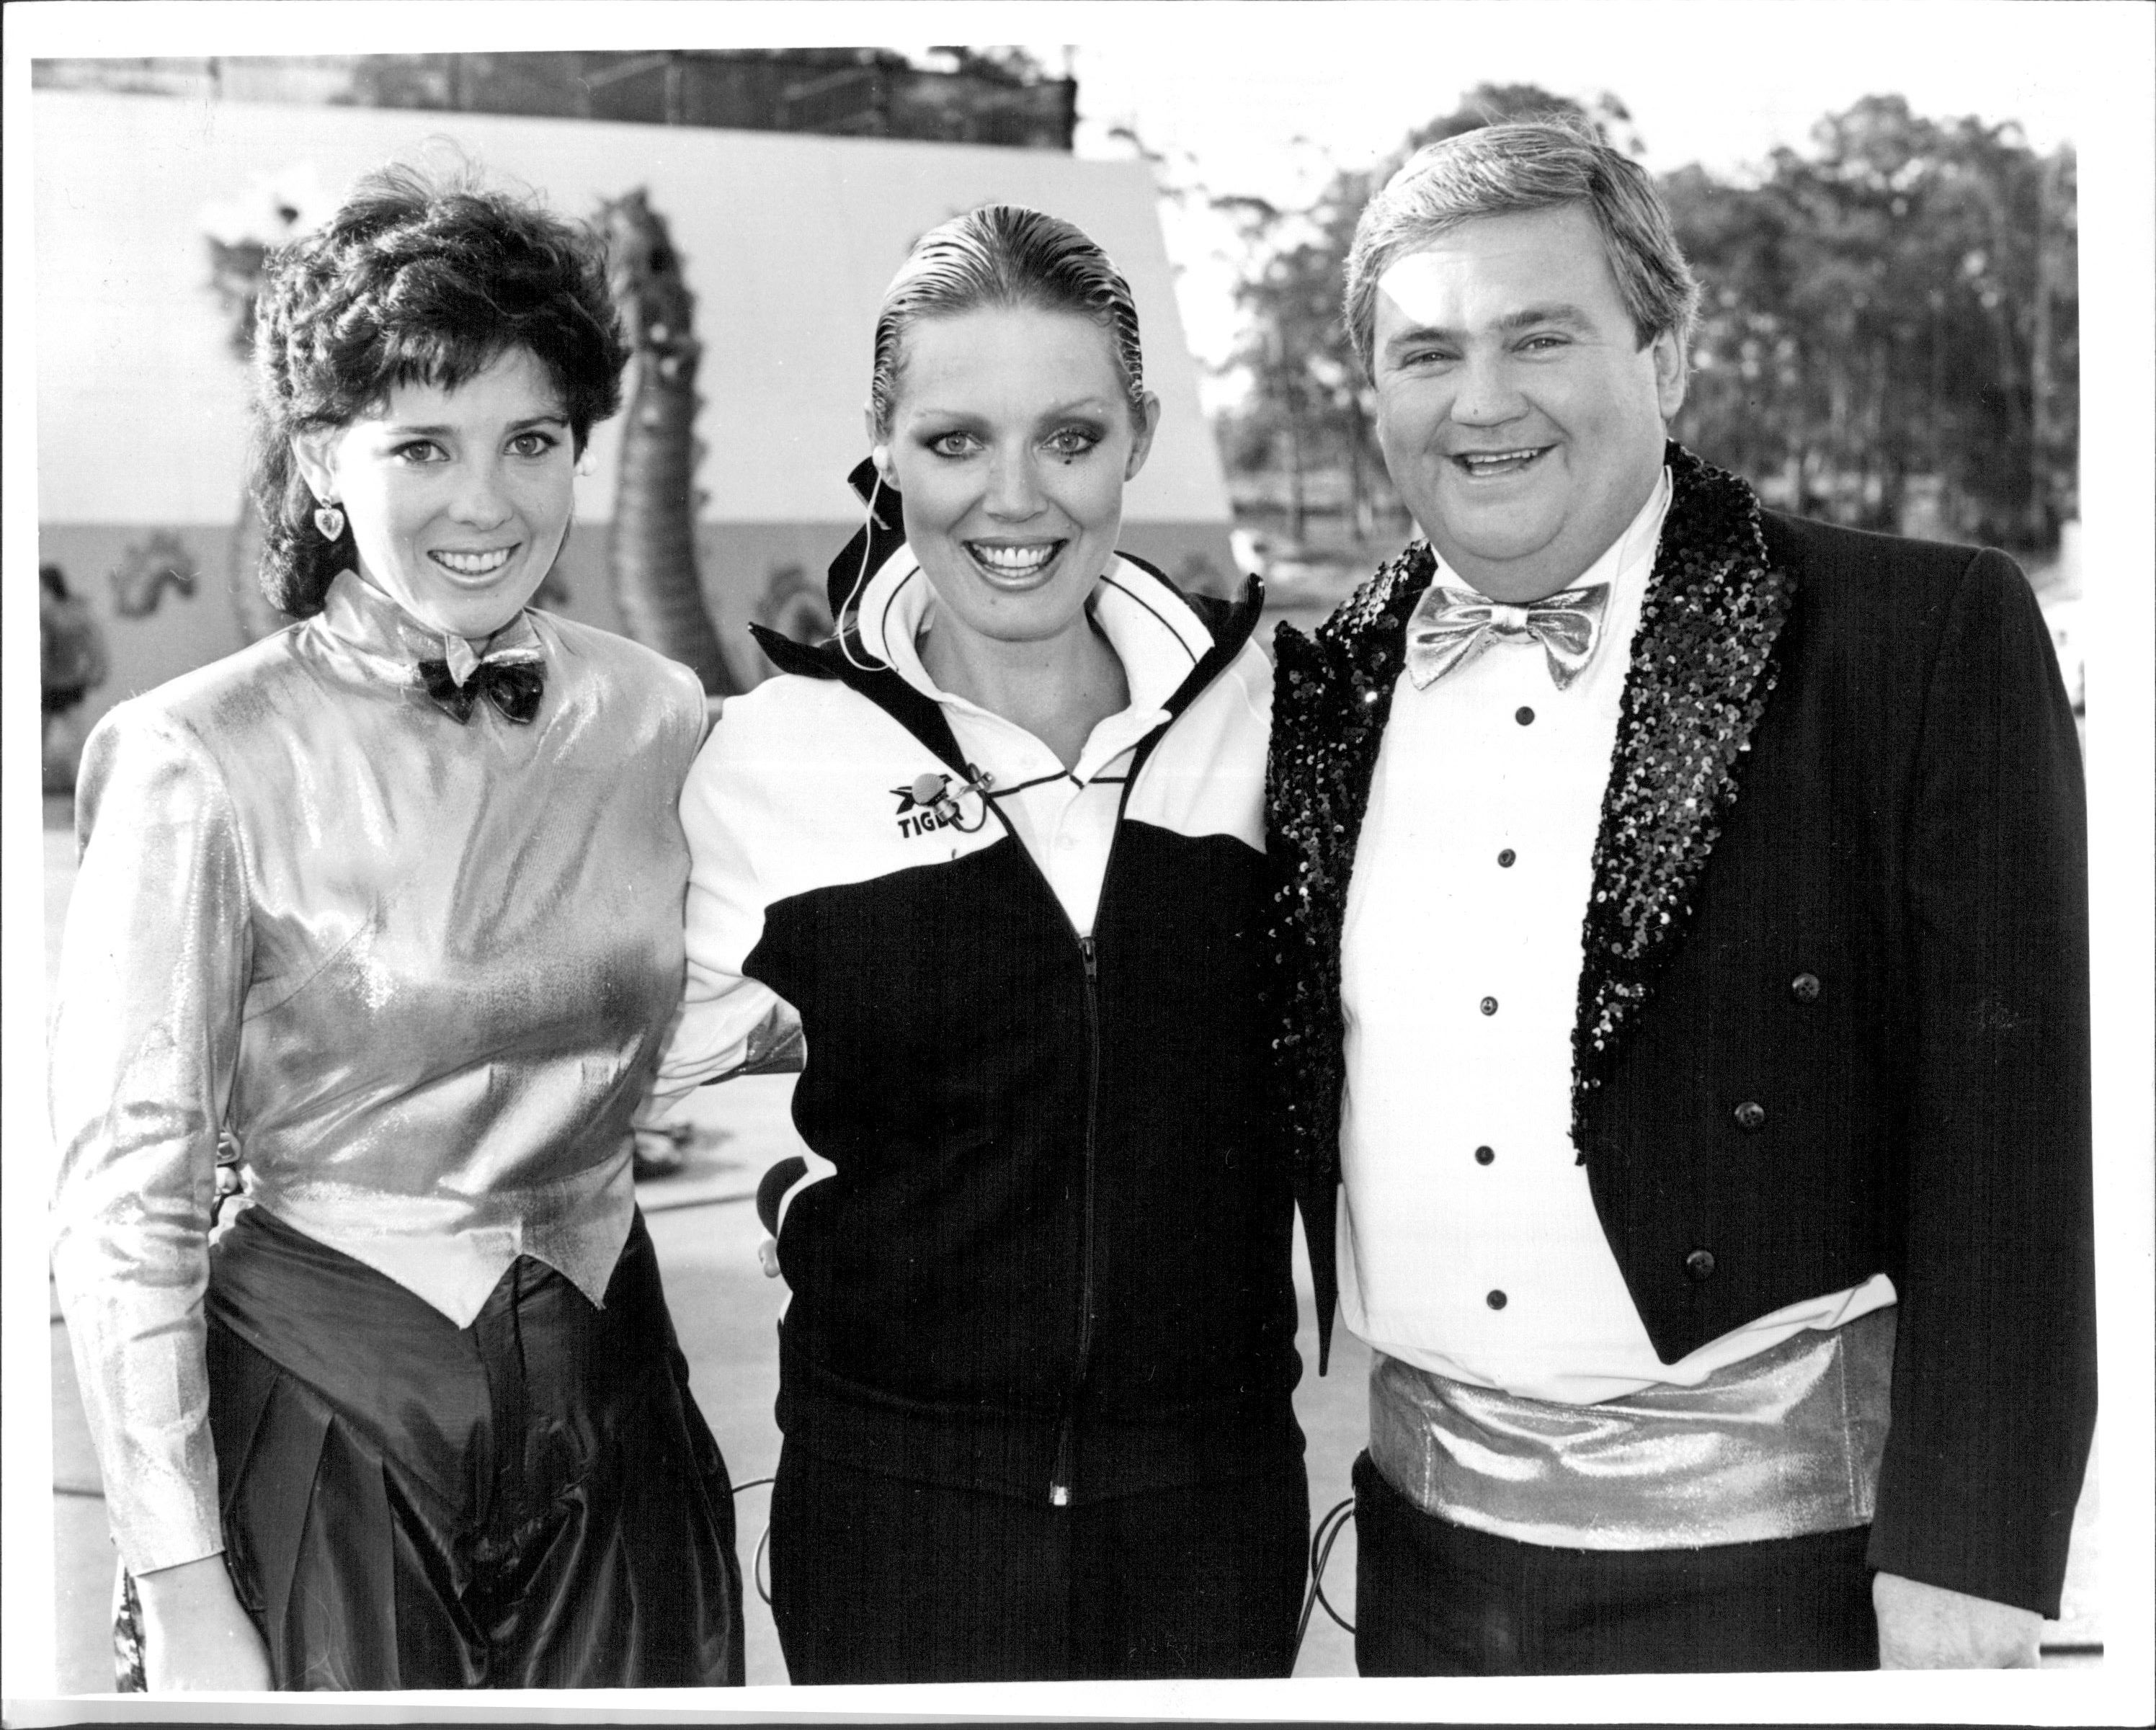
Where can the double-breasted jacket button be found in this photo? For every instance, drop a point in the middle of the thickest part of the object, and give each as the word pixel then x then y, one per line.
pixel 1750 1115
pixel 1805 987
pixel 1699 1266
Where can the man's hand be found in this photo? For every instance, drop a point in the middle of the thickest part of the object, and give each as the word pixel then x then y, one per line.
pixel 1924 1627
pixel 195 1635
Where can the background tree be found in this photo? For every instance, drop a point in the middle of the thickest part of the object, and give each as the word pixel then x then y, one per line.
pixel 1896 308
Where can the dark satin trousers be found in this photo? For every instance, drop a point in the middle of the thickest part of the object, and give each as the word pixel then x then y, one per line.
pixel 531 1502
pixel 1436 1598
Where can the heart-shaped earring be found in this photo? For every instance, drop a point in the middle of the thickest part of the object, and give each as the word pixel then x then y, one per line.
pixel 329 521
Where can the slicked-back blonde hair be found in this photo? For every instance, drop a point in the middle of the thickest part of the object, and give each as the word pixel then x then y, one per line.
pixel 1003 255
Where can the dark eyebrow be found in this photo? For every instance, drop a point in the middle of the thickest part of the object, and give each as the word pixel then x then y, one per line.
pixel 1557 314
pixel 1421 333
pixel 1077 405
pixel 401 430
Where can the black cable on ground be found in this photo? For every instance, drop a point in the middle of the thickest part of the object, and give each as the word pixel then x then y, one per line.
pixel 1321 1541
pixel 1346 1511
pixel 755 1567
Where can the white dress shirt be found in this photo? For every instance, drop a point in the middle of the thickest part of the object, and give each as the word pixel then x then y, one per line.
pixel 1469 1243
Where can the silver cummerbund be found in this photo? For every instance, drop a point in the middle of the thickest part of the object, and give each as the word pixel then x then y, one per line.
pixel 1777 1445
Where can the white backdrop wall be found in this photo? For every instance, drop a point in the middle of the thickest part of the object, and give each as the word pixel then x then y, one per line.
pixel 787 241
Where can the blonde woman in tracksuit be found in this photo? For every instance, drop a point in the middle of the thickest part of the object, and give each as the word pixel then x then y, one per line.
pixel 997 845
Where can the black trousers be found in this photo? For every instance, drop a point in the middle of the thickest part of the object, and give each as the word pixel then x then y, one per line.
pixel 1436 1598
pixel 878 1579
pixel 531 1502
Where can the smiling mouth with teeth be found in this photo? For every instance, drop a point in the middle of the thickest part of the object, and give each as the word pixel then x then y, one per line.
pixel 1482 463
pixel 1013 563
pixel 473 564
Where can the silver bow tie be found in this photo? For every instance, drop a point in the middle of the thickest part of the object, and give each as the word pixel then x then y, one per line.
pixel 1450 627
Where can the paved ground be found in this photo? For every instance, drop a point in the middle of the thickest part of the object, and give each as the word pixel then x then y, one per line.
pixel 725 1312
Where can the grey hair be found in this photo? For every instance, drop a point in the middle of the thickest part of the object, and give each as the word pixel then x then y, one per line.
pixel 1522 166
pixel 1003 255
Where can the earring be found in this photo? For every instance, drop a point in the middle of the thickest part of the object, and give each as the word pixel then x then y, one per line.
pixel 329 521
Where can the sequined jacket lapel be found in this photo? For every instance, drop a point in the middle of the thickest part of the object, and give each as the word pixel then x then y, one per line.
pixel 1702 665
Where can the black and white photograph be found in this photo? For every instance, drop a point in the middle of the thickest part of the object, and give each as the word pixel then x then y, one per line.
pixel 1257 860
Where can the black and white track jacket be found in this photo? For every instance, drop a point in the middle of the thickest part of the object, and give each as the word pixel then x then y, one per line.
pixel 1047 1249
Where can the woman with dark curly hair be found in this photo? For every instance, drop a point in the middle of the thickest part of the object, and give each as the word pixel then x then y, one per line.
pixel 391 901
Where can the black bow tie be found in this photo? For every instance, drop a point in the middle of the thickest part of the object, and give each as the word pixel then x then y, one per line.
pixel 514 686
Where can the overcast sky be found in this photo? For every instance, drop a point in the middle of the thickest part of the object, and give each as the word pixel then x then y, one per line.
pixel 1720 83
pixel 1269 99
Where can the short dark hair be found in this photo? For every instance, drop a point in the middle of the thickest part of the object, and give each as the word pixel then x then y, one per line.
pixel 412 283
pixel 1004 255
pixel 1521 166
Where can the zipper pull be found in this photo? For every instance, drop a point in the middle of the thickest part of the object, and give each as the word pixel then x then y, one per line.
pixel 1092 961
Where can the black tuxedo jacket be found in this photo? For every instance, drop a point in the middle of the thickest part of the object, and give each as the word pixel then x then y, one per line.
pixel 1834 1010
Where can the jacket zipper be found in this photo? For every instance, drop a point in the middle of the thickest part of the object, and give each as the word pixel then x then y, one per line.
pixel 1059 1488
pixel 792 657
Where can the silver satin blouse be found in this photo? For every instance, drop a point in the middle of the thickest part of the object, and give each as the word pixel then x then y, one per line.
pixel 419 970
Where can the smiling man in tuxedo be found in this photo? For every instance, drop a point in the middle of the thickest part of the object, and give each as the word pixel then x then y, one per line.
pixel 1687 1029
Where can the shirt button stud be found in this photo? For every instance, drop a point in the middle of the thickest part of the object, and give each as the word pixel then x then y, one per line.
pixel 1495 1300
pixel 1805 987
pixel 1489 1005
pixel 1750 1115
pixel 1483 1156
pixel 1699 1266
pixel 1507 857
pixel 1524 715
